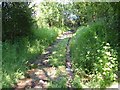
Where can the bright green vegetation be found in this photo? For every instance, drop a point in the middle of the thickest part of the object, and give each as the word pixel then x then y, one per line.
pixel 18 54
pixel 60 83
pixel 58 56
pixel 0 63
pixel 28 30
pixel 95 51
pixel 95 60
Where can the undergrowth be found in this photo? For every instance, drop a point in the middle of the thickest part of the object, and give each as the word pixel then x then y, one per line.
pixel 17 54
pixel 95 60
pixel 1 64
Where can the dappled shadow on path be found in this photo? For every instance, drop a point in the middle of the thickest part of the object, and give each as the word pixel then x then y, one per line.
pixel 42 71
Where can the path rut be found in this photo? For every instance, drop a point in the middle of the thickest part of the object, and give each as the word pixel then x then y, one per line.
pixel 42 71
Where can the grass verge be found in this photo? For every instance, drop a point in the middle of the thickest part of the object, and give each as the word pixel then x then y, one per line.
pixel 94 59
pixel 16 55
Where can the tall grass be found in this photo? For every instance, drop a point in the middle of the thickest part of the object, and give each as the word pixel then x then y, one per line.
pixel 93 54
pixel 0 64
pixel 17 54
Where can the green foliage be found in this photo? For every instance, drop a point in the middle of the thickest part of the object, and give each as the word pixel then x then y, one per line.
pixel 1 63
pixel 13 63
pixel 16 56
pixel 50 14
pixel 45 35
pixel 91 52
pixel 16 21
pixel 76 82
pixel 61 83
pixel 59 52
pixel 94 48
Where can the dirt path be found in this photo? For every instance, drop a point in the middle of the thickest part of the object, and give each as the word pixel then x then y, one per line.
pixel 43 71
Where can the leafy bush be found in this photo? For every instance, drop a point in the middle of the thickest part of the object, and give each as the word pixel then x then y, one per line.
pixel 45 35
pixel 17 20
pixel 91 52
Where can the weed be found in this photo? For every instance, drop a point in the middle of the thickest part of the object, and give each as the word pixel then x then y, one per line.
pixel 92 53
pixel 15 56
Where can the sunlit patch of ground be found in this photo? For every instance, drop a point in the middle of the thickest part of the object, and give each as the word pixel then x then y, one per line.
pixel 49 69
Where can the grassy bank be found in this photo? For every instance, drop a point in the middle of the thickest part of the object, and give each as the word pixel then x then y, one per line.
pixel 94 57
pixel 17 54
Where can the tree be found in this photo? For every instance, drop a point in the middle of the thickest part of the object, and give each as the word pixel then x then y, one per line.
pixel 16 20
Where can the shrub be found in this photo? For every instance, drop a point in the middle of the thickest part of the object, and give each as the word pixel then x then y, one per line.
pixel 17 20
pixel 91 52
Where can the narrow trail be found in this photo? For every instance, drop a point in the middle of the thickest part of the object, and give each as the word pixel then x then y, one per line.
pixel 42 71
pixel 69 65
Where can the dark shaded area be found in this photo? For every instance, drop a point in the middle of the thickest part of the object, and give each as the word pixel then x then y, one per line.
pixel 17 20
